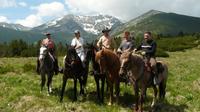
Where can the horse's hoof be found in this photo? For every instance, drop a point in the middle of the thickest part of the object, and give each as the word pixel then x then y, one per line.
pixel 109 103
pixel 153 104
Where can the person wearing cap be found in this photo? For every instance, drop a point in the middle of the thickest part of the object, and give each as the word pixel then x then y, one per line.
pixel 49 43
pixel 127 44
pixel 77 43
pixel 148 47
pixel 106 42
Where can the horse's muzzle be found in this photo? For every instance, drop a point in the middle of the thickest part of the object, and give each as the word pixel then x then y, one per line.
pixel 121 72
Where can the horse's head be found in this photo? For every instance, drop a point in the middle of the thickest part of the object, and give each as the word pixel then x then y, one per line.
pixel 43 52
pixel 88 51
pixel 72 56
pixel 100 58
pixel 125 60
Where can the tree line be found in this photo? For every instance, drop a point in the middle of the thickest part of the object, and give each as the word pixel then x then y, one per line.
pixel 20 48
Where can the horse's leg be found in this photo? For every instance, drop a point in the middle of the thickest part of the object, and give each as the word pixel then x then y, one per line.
pixel 97 86
pixel 63 87
pixel 43 80
pixel 162 87
pixel 164 90
pixel 75 89
pixel 81 86
pixel 49 82
pixel 107 85
pixel 136 89
pixel 102 88
pixel 117 89
pixel 111 93
pixel 85 77
pixel 155 95
pixel 142 97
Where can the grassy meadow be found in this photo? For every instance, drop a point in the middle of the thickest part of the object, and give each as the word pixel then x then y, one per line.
pixel 20 88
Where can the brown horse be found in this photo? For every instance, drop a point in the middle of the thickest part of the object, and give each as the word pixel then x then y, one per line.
pixel 141 77
pixel 109 66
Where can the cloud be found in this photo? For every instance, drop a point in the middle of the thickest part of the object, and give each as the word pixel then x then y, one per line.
pixel 30 21
pixel 50 9
pixel 22 4
pixel 45 10
pixel 7 3
pixel 129 9
pixel 4 19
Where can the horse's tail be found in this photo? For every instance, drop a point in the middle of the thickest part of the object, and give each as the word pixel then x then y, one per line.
pixel 163 83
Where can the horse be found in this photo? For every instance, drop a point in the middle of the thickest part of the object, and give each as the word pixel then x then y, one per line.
pixel 73 68
pixel 140 76
pixel 109 65
pixel 90 56
pixel 46 61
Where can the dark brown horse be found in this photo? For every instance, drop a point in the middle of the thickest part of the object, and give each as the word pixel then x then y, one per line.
pixel 74 69
pixel 109 66
pixel 91 50
pixel 134 66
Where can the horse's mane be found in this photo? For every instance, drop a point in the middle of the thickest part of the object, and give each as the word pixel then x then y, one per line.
pixel 111 57
pixel 135 58
pixel 72 52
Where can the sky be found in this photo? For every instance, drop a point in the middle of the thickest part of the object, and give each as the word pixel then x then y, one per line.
pixel 32 13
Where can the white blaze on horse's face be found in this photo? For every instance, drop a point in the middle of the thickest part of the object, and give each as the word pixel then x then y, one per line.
pixel 43 51
pixel 123 66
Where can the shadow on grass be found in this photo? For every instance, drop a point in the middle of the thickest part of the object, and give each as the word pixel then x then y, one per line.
pixel 92 96
pixel 69 93
pixel 127 100
pixel 167 107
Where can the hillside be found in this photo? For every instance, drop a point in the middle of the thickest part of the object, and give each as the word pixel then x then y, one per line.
pixel 8 34
pixel 161 23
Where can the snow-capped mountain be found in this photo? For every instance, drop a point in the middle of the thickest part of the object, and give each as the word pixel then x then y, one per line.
pixel 14 26
pixel 87 24
pixel 95 24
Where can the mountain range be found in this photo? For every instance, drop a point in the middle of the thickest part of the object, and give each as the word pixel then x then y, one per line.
pixel 90 26
pixel 161 23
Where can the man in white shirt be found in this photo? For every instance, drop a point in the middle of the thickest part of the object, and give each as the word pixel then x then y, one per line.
pixel 78 43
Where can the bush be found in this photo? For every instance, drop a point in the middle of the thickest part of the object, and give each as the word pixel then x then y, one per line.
pixel 177 43
pixel 161 53
pixel 28 67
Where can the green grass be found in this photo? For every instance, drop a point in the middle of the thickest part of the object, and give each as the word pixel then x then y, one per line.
pixel 20 88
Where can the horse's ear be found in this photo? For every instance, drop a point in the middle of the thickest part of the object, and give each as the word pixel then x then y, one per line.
pixel 67 46
pixel 95 52
pixel 102 51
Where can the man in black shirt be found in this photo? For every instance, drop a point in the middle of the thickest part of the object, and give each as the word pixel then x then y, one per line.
pixel 148 47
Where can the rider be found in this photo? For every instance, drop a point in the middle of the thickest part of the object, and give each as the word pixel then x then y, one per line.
pixel 148 47
pixel 106 42
pixel 49 43
pixel 78 43
pixel 127 44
